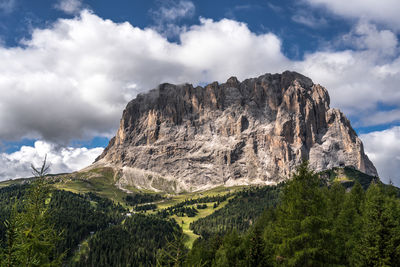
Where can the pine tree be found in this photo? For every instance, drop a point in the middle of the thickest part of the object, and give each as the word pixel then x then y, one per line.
pixel 203 251
pixel 379 244
pixel 31 237
pixel 255 254
pixel 336 196
pixel 232 251
pixel 347 225
pixel 174 253
pixel 302 225
pixel 11 234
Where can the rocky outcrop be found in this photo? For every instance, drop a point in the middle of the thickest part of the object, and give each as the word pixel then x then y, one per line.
pixel 185 138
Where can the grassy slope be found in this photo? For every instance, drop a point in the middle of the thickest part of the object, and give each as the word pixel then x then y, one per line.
pixel 175 199
pixel 347 176
pixel 102 182
pixel 12 182
pixel 185 221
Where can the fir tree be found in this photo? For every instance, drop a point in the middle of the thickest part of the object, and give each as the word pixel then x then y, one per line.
pixel 379 244
pixel 256 246
pixel 232 252
pixel 302 225
pixel 347 225
pixel 335 195
pixel 11 235
pixel 30 236
pixel 174 253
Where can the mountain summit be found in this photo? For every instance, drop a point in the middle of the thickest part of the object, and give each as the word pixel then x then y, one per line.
pixel 185 138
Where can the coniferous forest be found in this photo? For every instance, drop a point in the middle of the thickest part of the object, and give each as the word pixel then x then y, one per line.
pixel 303 222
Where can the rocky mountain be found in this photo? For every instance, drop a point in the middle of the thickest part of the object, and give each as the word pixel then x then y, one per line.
pixel 185 138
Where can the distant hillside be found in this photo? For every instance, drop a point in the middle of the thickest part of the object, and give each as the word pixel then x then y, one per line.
pixel 99 220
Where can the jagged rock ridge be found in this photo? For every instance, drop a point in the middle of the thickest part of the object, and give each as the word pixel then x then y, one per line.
pixel 185 138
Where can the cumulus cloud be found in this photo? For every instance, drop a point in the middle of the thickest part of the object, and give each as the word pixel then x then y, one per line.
pixel 361 78
pixel 383 148
pixel 69 6
pixel 384 11
pixel 72 80
pixel 173 10
pixel 366 36
pixel 61 160
pixel 169 13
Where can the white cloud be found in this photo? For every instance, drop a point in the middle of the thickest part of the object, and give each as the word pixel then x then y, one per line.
pixel 383 148
pixel 84 71
pixel 7 6
pixel 221 49
pixel 366 36
pixel 170 12
pixel 72 80
pixel 173 10
pixel 360 78
pixel 61 160
pixel 69 6
pixel 383 11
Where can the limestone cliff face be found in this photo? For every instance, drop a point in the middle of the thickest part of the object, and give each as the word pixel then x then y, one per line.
pixel 180 137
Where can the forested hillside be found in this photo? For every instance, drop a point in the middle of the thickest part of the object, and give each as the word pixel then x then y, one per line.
pixel 307 221
pixel 79 217
pixel 313 225
pixel 135 242
pixel 240 212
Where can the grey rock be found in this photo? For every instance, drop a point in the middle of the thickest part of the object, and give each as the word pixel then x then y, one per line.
pixel 184 138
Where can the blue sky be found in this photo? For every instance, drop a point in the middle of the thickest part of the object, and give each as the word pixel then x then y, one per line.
pixel 68 67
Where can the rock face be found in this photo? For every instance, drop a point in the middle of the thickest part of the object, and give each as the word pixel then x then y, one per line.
pixel 185 138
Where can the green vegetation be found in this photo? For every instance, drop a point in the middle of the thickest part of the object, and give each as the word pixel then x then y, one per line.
pixel 10 182
pixel 133 243
pixel 77 216
pixel 84 220
pixel 344 219
pixel 240 212
pixel 140 198
pixel 347 176
pixel 187 208
pixel 146 207
pixel 100 181
pixel 30 237
pixel 313 225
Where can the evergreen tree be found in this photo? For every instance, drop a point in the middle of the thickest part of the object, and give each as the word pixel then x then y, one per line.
pixel 335 198
pixel 232 251
pixel 255 248
pixel 302 225
pixel 31 238
pixel 9 258
pixel 174 253
pixel 203 251
pixel 379 244
pixel 347 225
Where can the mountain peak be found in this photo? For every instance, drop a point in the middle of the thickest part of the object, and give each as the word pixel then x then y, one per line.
pixel 185 138
pixel 233 81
